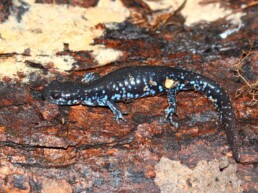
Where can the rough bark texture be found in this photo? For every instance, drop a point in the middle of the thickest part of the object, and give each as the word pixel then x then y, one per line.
pixel 50 148
pixel 5 9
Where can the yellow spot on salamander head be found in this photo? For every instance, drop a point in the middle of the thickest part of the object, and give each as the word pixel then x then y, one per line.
pixel 169 83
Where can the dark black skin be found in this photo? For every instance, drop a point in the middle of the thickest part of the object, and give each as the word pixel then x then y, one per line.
pixel 142 81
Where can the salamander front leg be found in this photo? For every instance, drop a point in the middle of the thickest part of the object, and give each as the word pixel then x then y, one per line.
pixel 88 77
pixel 116 111
pixel 169 112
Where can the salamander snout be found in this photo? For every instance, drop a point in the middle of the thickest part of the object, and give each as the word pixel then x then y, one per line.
pixel 61 93
pixel 52 92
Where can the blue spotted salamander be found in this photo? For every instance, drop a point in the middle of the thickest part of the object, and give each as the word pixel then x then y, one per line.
pixel 135 82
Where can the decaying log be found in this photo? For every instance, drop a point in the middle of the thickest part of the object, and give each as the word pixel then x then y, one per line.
pixel 49 148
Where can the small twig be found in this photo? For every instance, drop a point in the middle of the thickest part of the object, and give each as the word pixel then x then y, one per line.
pixel 156 18
pixel 250 89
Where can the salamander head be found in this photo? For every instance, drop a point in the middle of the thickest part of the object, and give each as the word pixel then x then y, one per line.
pixel 67 93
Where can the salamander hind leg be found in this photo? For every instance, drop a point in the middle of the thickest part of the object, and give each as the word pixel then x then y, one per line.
pixel 169 112
pixel 116 111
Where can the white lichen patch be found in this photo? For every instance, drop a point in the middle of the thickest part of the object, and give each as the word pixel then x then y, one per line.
pixel 206 177
pixel 44 29
pixel 196 11
pixel 105 55
pixel 163 4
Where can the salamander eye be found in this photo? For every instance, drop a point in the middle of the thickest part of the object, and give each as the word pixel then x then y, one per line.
pixel 56 95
